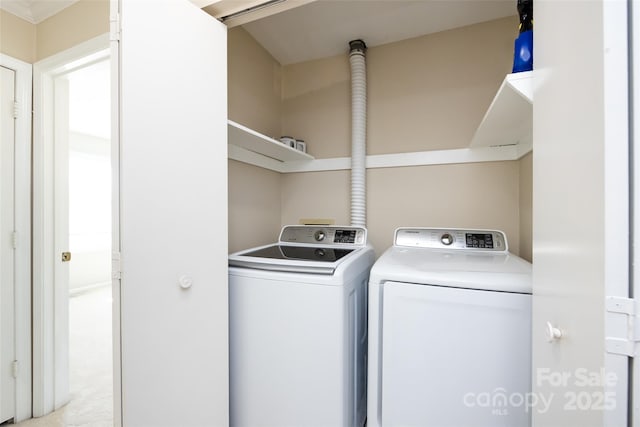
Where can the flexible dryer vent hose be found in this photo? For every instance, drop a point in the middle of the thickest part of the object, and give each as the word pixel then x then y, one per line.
pixel 358 132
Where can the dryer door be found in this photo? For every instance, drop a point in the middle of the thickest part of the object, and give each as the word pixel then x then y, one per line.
pixel 455 357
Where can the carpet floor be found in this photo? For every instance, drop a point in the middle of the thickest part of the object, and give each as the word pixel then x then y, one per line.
pixel 90 364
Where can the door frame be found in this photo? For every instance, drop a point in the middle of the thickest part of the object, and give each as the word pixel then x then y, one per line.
pixel 634 171
pixel 22 224
pixel 617 201
pixel 44 294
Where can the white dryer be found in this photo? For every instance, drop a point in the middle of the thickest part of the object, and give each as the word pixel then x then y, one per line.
pixel 297 319
pixel 449 332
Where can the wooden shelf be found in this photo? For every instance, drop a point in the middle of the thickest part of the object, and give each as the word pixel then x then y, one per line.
pixel 509 119
pixel 256 143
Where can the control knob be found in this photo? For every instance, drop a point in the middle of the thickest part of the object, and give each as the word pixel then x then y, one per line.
pixel 446 239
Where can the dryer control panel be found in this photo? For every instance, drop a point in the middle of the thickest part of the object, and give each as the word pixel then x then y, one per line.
pixel 452 238
pixel 324 235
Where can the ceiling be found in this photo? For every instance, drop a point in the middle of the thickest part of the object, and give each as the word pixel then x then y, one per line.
pixel 308 30
pixel 35 11
pixel 324 28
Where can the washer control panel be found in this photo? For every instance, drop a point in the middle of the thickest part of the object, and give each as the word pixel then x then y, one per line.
pixel 325 235
pixel 457 239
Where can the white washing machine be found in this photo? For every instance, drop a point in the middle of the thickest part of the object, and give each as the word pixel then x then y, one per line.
pixel 449 332
pixel 297 319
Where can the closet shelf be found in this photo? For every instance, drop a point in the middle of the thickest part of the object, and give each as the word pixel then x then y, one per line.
pixel 509 119
pixel 251 143
pixel 505 133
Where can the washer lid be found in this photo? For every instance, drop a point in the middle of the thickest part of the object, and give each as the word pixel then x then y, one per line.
pixel 293 259
pixel 496 271
pixel 315 249
pixel 304 253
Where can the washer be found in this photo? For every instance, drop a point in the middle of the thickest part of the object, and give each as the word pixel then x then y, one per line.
pixel 298 329
pixel 449 331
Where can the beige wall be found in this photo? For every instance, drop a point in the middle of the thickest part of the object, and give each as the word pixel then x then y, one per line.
pixel 75 24
pixel 254 84
pixel 79 22
pixel 254 206
pixel 17 37
pixel 479 195
pixel 472 195
pixel 435 99
pixel 425 93
pixel 317 105
pixel 254 100
pixel 526 207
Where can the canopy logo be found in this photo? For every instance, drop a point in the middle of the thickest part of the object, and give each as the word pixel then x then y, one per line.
pixel 500 401
pixel 578 390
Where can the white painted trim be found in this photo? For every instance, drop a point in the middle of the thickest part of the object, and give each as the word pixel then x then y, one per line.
pixel 616 36
pixel 43 219
pixel 509 118
pixel 524 147
pixel 320 165
pixel 114 45
pixel 22 184
pixel 420 158
pixel 225 10
pixel 41 244
pixel 248 146
pixel 242 155
pixel 251 140
pixel 35 11
pixel 634 38
pixel 75 57
pixel 442 157
pixel 60 206
pixel 522 83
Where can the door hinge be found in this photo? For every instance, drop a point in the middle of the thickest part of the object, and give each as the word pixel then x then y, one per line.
pixel 14 240
pixel 16 109
pixel 15 369
pixel 114 28
pixel 116 266
pixel 627 341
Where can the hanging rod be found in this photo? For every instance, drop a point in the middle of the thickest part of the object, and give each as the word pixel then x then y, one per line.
pixel 250 10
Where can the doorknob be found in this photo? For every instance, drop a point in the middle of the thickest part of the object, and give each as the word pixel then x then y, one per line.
pixel 66 256
pixel 553 333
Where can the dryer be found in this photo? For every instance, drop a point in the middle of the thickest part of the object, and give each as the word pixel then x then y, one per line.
pixel 449 331
pixel 297 337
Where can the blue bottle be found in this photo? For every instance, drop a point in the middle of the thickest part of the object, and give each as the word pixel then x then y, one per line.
pixel 523 49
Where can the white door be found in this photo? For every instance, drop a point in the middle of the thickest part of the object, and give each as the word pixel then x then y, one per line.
pixel 61 241
pixel 580 212
pixel 173 214
pixel 15 241
pixel 7 206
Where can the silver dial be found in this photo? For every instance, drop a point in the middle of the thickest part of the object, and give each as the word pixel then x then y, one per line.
pixel 446 239
pixel 319 235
